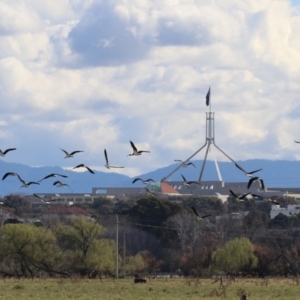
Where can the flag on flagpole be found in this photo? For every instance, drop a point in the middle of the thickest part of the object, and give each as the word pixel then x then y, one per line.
pixel 207 97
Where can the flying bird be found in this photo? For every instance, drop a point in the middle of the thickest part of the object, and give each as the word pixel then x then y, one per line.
pixel 9 174
pixel 53 175
pixel 144 181
pixel 2 153
pixel 107 164
pixel 185 165
pixel 256 179
pixel 68 155
pixel 26 184
pixel 60 184
pixel 197 215
pixel 149 192
pixel 135 151
pixel 268 199
pixel 188 183
pixel 84 166
pixel 239 198
pixel 247 173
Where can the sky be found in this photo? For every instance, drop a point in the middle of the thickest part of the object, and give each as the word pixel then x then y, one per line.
pixel 92 75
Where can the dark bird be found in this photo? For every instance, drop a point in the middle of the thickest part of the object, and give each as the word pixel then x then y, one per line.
pixel 268 199
pixel 107 164
pixel 135 151
pixel 188 183
pixel 185 165
pixel 84 166
pixel 24 184
pixel 247 173
pixel 149 192
pixel 7 150
pixel 53 175
pixel 297 142
pixel 239 198
pixel 197 215
pixel 256 179
pixel 9 174
pixel 60 184
pixel 144 181
pixel 68 155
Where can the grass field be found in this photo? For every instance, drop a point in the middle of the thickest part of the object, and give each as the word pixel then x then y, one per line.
pixel 109 289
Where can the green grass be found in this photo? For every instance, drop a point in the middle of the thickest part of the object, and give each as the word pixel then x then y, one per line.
pixel 162 289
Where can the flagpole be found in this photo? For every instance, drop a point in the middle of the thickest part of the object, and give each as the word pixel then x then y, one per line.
pixel 209 100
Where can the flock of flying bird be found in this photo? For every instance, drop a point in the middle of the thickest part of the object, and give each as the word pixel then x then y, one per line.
pixel 136 152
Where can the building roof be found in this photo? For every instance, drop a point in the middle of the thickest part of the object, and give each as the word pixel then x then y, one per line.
pixel 168 189
pixel 63 210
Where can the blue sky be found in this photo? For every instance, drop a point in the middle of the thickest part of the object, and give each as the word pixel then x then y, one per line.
pixel 89 75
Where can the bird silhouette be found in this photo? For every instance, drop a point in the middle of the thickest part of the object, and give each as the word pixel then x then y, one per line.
pixel 144 181
pixel 249 174
pixel 3 153
pixel 239 198
pixel 53 175
pixel 107 165
pixel 68 155
pixel 84 166
pixel 135 151
pixel 197 215
pixel 256 179
pixel 188 183
pixel 185 165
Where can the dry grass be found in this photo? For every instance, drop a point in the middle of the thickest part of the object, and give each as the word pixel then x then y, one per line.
pixel 162 289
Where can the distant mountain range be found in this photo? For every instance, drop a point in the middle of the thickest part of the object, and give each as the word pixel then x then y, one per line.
pixel 278 173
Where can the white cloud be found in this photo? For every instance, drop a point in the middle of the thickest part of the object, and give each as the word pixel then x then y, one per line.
pixel 97 74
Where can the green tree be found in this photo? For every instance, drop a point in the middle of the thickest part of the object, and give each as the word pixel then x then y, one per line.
pixel 237 255
pixel 82 243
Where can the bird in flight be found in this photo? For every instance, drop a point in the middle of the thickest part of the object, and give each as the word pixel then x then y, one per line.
pixel 144 181
pixel 135 151
pixel 256 179
pixel 53 175
pixel 68 155
pixel 268 199
pixel 26 184
pixel 247 173
pixel 2 153
pixel 149 193
pixel 60 184
pixel 107 163
pixel 188 183
pixel 239 198
pixel 197 215
pixel 84 166
pixel 185 165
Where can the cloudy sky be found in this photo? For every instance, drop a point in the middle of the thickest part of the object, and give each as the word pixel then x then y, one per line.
pixel 91 74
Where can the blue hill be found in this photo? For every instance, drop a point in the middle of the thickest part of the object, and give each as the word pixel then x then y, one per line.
pixel 279 173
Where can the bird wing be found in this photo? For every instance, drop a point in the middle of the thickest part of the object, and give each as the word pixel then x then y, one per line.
pixel 243 196
pixel 21 179
pixel 32 182
pixel 178 160
pixel 90 170
pixel 239 167
pixel 105 155
pixel 262 184
pixel 64 151
pixel 10 149
pixel 203 217
pixel 195 212
pixel 56 182
pixel 233 194
pixel 116 167
pixel 133 146
pixel 77 151
pixel 7 174
pixel 196 182
pixel 191 164
pixel 136 179
pixel 250 181
pixel 254 171
pixel 37 196
pixel 183 178
pixel 148 180
pixel 141 151
pixel 297 142
pixel 79 166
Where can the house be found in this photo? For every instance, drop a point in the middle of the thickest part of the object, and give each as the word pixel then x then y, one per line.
pixel 289 210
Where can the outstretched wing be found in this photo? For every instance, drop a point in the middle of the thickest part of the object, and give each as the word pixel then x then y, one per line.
pixel 195 212
pixel 10 149
pixel 74 152
pixel 133 146
pixel 106 159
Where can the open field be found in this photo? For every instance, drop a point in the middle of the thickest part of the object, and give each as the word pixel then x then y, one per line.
pixel 109 289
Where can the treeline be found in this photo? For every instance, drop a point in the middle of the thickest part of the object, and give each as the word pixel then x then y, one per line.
pixel 157 235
